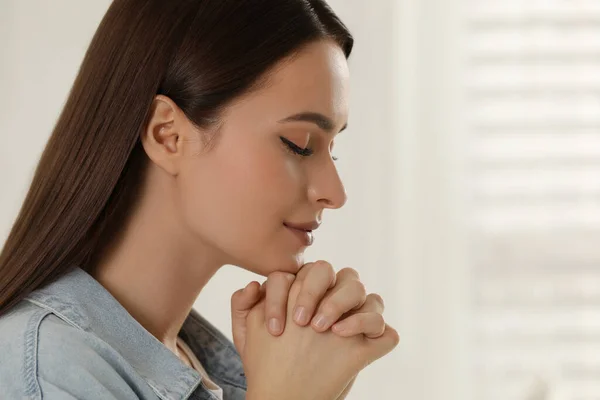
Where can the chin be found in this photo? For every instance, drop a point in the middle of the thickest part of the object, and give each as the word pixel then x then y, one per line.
pixel 292 263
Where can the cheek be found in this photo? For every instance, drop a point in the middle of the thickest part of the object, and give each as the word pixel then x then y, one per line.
pixel 237 200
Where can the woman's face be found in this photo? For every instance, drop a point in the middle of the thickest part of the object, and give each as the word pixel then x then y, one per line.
pixel 238 196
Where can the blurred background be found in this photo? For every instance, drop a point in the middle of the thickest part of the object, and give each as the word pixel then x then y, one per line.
pixel 472 164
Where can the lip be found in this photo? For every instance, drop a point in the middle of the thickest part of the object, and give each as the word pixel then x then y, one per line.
pixel 305 236
pixel 304 226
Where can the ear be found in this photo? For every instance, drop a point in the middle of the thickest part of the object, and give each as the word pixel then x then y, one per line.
pixel 165 135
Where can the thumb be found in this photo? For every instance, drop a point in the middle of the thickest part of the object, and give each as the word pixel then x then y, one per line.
pixel 242 302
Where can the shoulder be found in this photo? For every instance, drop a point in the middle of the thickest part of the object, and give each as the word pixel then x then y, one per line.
pixel 42 355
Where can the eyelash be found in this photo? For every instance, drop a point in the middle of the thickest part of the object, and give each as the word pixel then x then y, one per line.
pixel 299 150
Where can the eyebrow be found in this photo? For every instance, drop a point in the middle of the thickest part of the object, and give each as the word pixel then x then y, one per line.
pixel 318 119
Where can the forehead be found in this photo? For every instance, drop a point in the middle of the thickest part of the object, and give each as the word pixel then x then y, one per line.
pixel 315 80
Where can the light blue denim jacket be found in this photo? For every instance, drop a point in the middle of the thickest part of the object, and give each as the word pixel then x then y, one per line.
pixel 73 340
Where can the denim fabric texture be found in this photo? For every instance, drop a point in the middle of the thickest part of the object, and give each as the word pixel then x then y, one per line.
pixel 73 340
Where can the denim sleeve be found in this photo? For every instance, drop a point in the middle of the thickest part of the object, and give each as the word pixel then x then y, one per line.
pixel 73 364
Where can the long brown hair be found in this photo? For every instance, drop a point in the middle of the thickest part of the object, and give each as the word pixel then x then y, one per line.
pixel 200 53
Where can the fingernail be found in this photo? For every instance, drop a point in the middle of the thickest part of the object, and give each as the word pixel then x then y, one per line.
pixel 320 321
pixel 300 315
pixel 274 325
pixel 340 328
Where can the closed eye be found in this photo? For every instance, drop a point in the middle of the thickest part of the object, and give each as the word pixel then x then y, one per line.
pixel 304 152
pixel 296 149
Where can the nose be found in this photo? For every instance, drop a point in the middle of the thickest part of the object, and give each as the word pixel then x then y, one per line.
pixel 326 188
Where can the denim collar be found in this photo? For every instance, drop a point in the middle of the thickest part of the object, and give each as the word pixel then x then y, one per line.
pixel 80 300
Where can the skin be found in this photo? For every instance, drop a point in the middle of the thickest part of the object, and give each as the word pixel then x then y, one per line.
pixel 336 293
pixel 205 207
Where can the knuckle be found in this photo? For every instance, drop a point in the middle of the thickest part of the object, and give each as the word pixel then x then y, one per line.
pixel 360 288
pixel 395 337
pixel 379 320
pixel 377 298
pixel 349 271
pixel 304 270
pixel 307 297
pixel 331 276
pixel 332 308
pixel 280 276
pixel 310 295
pixel 236 294
pixel 325 266
pixel 322 264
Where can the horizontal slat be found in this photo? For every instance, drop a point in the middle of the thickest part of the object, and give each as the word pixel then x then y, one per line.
pixel 537 182
pixel 582 109
pixel 535 57
pixel 486 9
pixel 538 292
pixel 536 217
pixel 520 254
pixel 487 23
pixel 530 92
pixel 513 126
pixel 583 42
pixel 533 200
pixel 508 321
pixel 563 162
pixel 526 146
pixel 567 337
pixel 528 75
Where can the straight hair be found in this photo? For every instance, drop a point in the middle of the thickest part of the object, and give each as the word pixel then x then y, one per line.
pixel 202 54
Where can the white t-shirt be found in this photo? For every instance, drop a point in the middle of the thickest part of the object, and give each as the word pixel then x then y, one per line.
pixel 210 385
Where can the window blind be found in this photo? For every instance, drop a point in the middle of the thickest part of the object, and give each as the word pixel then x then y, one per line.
pixel 532 86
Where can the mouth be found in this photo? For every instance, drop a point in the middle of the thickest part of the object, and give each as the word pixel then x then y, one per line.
pixel 304 235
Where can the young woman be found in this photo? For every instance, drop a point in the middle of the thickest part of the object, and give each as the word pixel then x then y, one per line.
pixel 198 133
